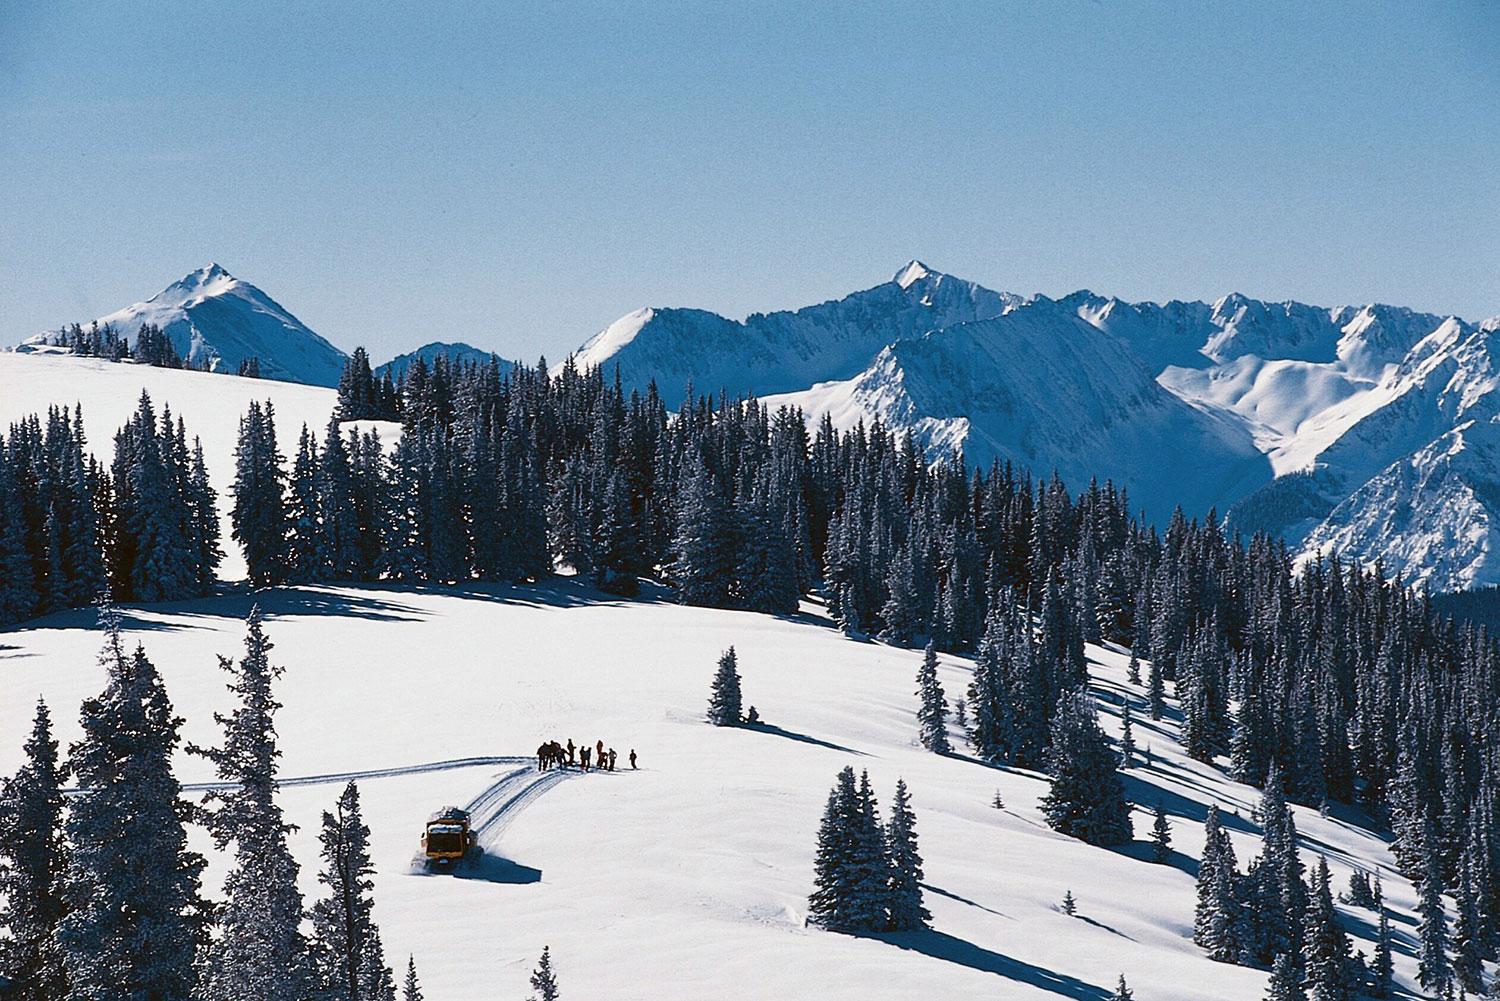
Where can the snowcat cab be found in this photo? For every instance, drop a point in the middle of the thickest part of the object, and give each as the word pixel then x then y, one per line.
pixel 448 838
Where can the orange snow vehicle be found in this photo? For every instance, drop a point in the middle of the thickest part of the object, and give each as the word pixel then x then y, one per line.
pixel 449 838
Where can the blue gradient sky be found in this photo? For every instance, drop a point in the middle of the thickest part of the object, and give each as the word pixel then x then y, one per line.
pixel 520 176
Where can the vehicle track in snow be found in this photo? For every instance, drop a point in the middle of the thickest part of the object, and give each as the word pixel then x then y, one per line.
pixel 491 811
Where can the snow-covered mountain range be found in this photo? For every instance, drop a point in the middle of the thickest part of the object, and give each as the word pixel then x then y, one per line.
pixel 1366 430
pixel 215 318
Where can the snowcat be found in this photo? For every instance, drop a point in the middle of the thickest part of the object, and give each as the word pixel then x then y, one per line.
pixel 449 838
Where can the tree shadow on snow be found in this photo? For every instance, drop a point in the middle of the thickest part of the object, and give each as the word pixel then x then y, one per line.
pixel 801 737
pixel 962 900
pixel 940 945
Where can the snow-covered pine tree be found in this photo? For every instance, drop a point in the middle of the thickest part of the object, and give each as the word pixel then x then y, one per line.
pixel 900 613
pixel 132 925
pixel 543 980
pixel 932 712
pixel 1156 689
pixel 702 545
pixel 1326 955
pixel 1086 800
pixel 869 900
pixel 1216 919
pixel 724 701
pixel 377 982
pixel 259 514
pixel 833 863
pixel 307 549
pixel 1433 971
pixel 33 859
pixel 1069 905
pixel 1469 933
pixel 411 989
pixel 907 913
pixel 1382 968
pixel 1122 992
pixel 344 931
pixel 1127 738
pixel 1161 836
pixel 259 953
pixel 1285 983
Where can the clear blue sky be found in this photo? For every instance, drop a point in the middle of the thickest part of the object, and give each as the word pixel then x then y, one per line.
pixel 520 176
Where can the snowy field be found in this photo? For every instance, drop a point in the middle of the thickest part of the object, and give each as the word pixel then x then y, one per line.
pixel 688 878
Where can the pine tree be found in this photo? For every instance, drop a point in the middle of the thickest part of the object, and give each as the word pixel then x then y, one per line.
pixel 1326 954
pixel 345 951
pixel 1469 934
pixel 869 901
pixel 907 912
pixel 1161 837
pixel 259 954
pixel 1086 800
pixel 702 544
pixel 543 980
pixel 724 704
pixel 412 990
pixel 1069 905
pixel 1127 738
pixel 1382 969
pixel 851 869
pixel 1122 992
pixel 132 885
pixel 307 549
pixel 1216 919
pixel 932 714
pixel 1285 983
pixel 1433 972
pixel 259 514
pixel 33 857
pixel 1155 689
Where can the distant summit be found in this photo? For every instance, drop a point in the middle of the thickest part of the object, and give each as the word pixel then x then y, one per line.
pixel 216 320
pixel 428 353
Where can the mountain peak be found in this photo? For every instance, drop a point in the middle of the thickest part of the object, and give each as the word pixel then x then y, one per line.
pixel 914 271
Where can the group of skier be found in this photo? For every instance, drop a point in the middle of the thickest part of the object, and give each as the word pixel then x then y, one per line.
pixel 583 757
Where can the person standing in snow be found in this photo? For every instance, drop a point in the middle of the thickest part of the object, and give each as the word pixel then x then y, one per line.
pixel 584 757
pixel 599 753
pixel 611 759
pixel 570 751
pixel 632 758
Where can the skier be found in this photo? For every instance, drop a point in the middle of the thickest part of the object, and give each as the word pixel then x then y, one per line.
pixel 541 758
pixel 611 759
pixel 632 758
pixel 584 756
pixel 570 751
pixel 599 753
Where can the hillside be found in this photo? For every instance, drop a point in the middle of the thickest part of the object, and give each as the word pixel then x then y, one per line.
pixel 681 879
pixel 210 404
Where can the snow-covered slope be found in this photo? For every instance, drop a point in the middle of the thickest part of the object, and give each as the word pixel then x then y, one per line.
pixel 210 404
pixel 1432 516
pixel 781 352
pixel 454 352
pixel 688 878
pixel 213 317
pixel 1040 387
